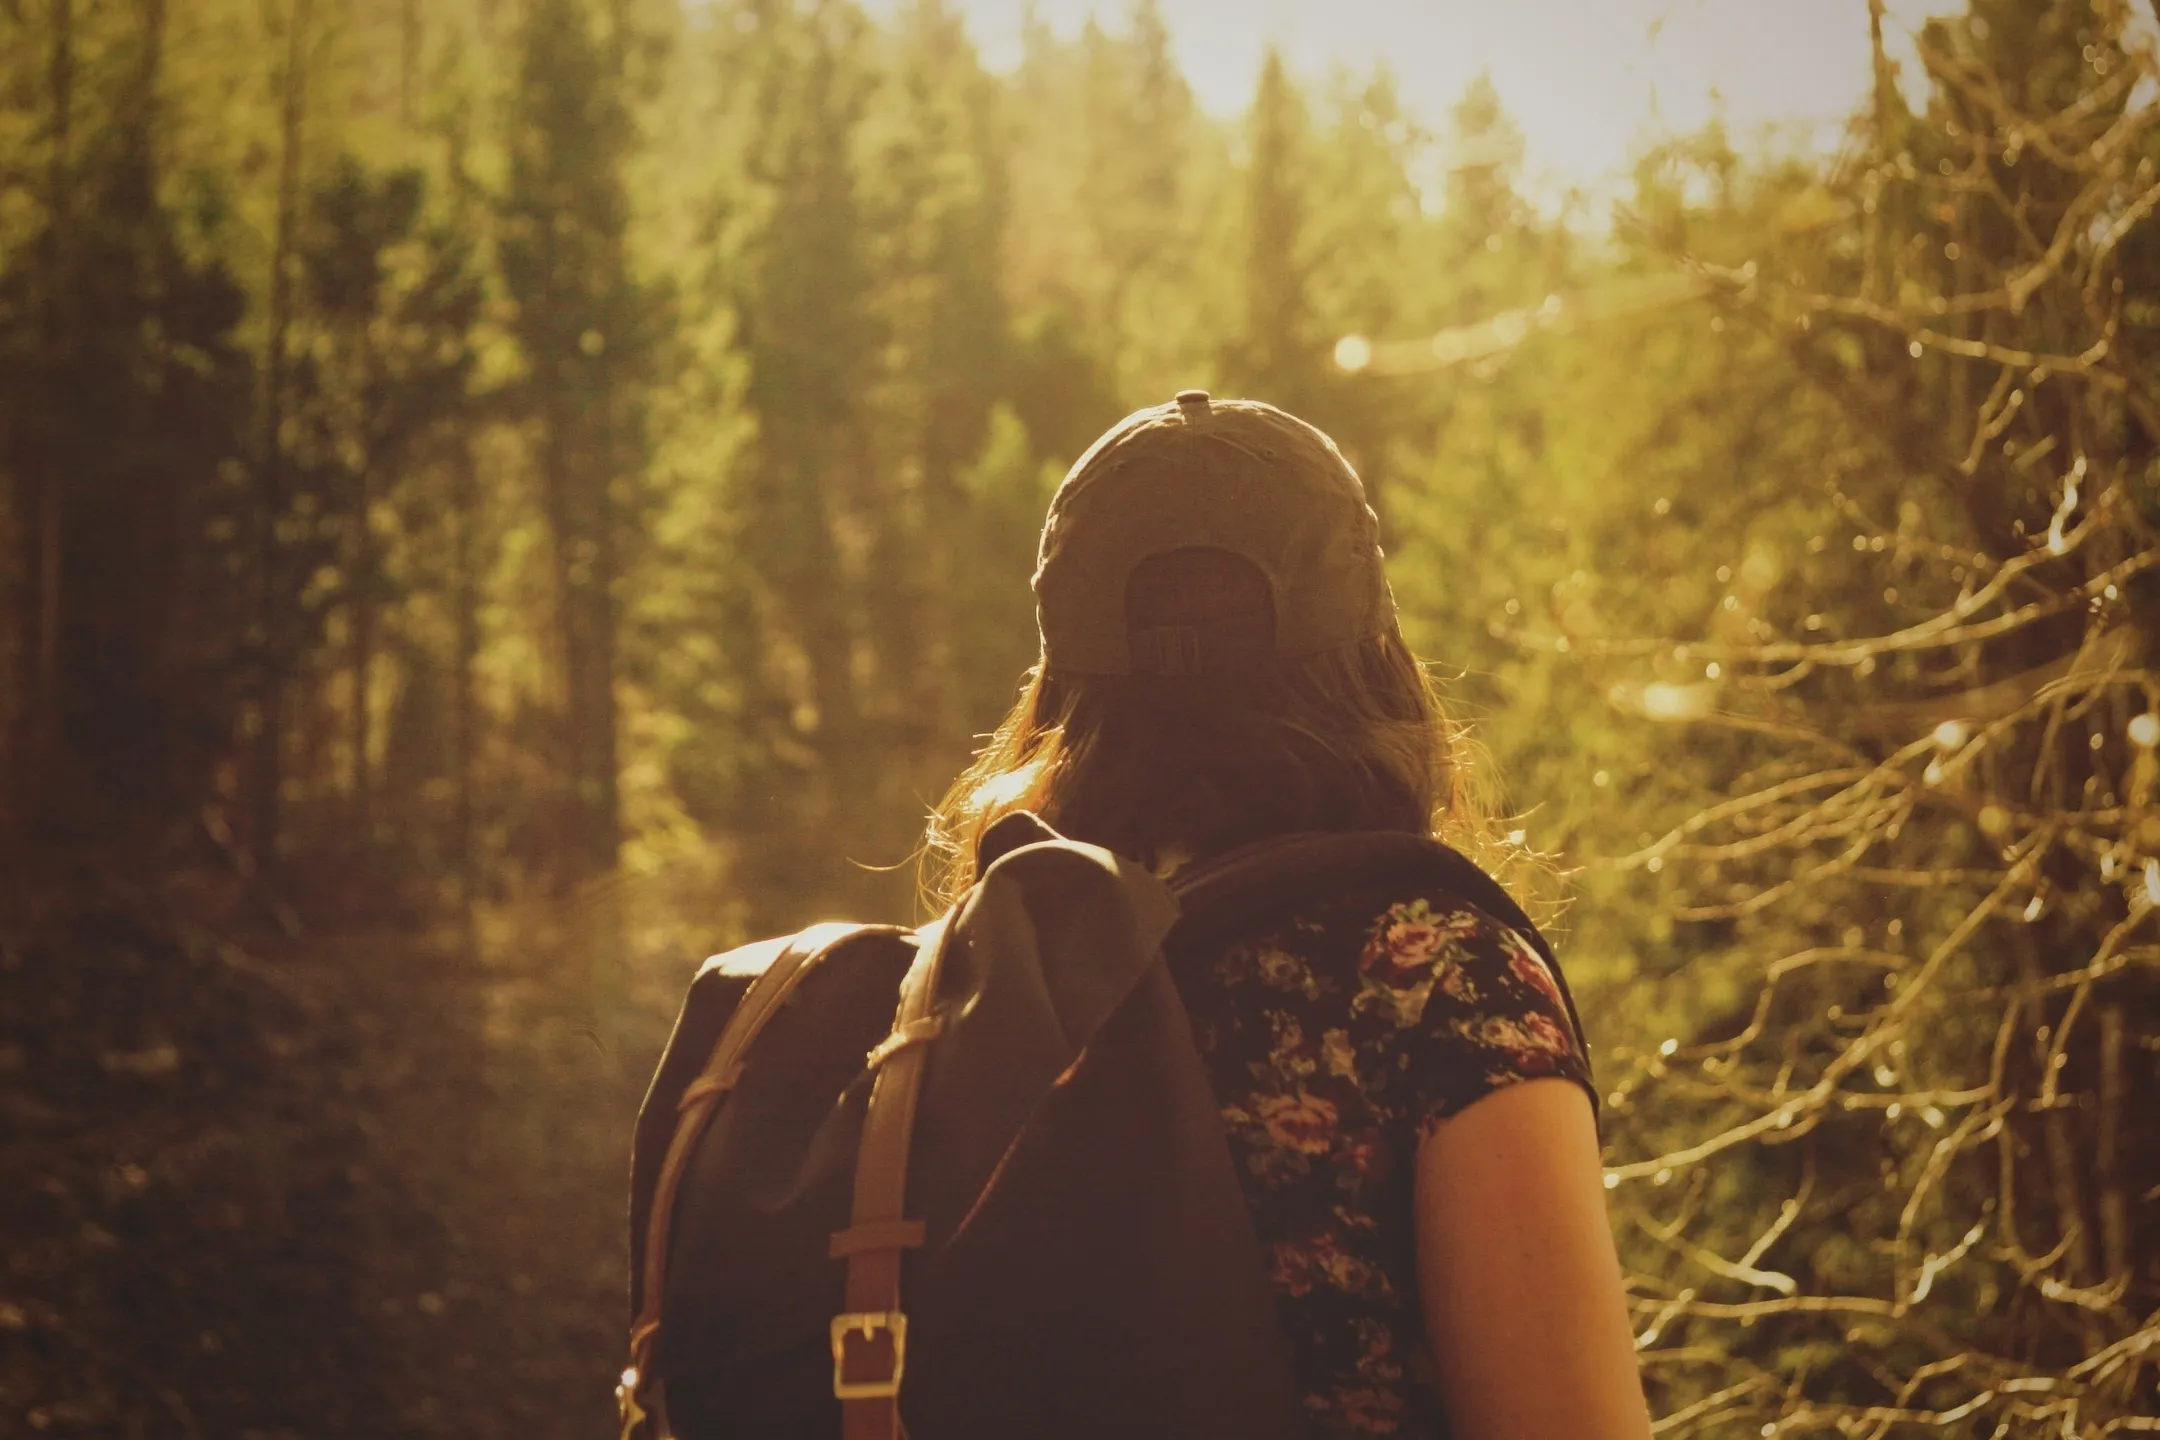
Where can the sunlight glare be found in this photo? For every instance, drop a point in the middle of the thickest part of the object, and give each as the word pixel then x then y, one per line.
pixel 1004 789
pixel 1662 700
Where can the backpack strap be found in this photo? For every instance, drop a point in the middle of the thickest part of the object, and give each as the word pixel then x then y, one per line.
pixel 640 1398
pixel 869 1338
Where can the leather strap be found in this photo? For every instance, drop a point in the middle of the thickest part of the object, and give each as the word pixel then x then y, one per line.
pixel 870 1339
pixel 641 1396
pixel 877 1235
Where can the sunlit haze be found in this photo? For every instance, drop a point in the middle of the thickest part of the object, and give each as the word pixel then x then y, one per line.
pixel 1587 80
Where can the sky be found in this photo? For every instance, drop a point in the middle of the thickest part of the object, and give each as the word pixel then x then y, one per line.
pixel 1587 80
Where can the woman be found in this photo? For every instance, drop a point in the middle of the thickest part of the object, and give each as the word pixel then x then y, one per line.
pixel 1397 1074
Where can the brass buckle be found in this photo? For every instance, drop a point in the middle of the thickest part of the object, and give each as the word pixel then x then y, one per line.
pixel 630 1405
pixel 867 1323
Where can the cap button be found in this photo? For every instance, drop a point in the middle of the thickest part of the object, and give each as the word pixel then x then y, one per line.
pixel 1191 400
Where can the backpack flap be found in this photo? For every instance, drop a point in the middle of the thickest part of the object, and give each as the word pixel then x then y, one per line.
pixel 1043 949
pixel 1091 1266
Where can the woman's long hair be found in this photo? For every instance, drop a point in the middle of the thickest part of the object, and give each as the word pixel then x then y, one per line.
pixel 1154 765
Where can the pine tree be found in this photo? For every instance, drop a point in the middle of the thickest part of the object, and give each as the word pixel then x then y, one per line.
pixel 126 385
pixel 1483 208
pixel 936 198
pixel 802 508
pixel 1142 138
pixel 1277 354
pixel 389 301
pixel 583 326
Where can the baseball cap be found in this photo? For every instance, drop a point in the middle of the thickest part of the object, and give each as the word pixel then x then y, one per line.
pixel 1181 498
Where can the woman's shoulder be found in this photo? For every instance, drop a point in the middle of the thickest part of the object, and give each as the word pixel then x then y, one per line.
pixel 1451 999
pixel 1335 889
pixel 1395 934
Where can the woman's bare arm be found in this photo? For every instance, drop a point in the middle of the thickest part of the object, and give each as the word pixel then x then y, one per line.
pixel 1519 1282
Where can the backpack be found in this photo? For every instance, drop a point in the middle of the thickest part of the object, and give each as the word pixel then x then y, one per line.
pixel 1001 1116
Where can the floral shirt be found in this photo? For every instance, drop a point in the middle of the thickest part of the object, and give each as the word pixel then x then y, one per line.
pixel 1337 1041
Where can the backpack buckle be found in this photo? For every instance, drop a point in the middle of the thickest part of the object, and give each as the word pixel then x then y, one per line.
pixel 867 1323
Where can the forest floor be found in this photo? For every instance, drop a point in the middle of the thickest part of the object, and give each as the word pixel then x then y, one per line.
pixel 347 1184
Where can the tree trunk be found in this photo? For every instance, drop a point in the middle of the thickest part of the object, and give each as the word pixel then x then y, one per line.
pixel 465 605
pixel 605 745
pixel 408 59
pixel 465 621
pixel 364 611
pixel 584 560
pixel 269 627
pixel 366 607
pixel 43 518
pixel 575 457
